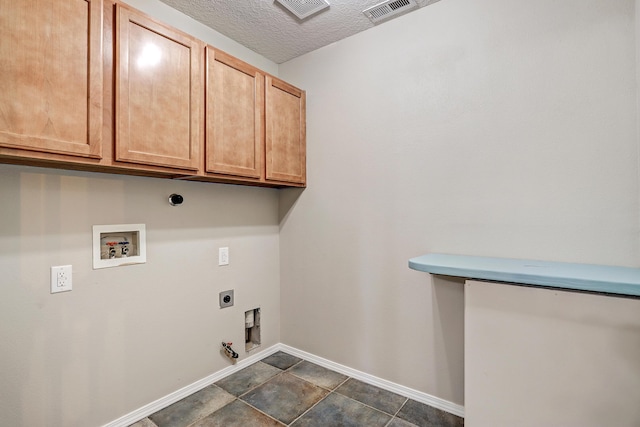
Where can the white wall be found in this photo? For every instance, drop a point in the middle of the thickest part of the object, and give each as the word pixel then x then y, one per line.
pixel 481 127
pixel 127 336
pixel 548 357
pixel 487 127
pixel 124 336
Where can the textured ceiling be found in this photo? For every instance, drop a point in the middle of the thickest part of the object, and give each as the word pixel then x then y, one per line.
pixel 269 29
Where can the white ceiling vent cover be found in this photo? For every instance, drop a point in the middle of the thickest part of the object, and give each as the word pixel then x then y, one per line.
pixel 387 9
pixel 304 8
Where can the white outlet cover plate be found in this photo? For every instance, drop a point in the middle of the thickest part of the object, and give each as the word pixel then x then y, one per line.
pixel 223 256
pixel 61 279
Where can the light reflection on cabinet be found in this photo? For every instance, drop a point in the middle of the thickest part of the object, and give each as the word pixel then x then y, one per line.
pixel 158 93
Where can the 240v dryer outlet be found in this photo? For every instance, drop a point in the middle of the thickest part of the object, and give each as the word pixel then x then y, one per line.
pixel 226 298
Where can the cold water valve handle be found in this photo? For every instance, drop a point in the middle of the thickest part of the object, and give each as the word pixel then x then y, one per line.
pixel 229 351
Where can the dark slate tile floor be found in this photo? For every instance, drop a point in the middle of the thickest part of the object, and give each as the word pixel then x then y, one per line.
pixel 284 390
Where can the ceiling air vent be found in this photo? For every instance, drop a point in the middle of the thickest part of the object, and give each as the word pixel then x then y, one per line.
pixel 304 8
pixel 387 9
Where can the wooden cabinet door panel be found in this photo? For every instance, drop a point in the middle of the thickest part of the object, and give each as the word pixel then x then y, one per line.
pixel 234 116
pixel 51 76
pixel 285 132
pixel 158 93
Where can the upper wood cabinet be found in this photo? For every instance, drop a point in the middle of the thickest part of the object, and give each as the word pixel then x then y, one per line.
pixel 158 93
pixel 285 132
pixel 255 125
pixel 97 85
pixel 234 116
pixel 51 76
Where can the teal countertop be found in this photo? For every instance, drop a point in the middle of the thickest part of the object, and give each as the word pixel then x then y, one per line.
pixel 584 277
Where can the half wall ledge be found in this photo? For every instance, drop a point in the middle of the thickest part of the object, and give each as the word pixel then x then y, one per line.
pixel 582 277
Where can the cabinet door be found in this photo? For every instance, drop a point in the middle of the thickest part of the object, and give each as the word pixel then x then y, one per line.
pixel 158 93
pixel 235 115
pixel 285 132
pixel 51 76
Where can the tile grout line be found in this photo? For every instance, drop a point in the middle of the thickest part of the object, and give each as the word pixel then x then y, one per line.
pixel 395 416
pixel 309 409
pixel 319 400
pixel 261 411
pixel 238 397
pixel 407 394
pixel 335 391
pixel 375 409
pixel 413 395
pixel 282 372
pixel 262 383
pixel 329 392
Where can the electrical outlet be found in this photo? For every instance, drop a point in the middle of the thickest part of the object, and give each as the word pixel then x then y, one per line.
pixel 61 279
pixel 223 256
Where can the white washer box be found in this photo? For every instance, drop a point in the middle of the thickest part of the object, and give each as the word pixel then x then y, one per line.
pixel 117 245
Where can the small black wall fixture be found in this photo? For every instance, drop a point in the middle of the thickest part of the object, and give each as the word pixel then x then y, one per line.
pixel 175 199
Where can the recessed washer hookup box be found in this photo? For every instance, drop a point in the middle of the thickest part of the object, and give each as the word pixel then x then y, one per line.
pixel 117 245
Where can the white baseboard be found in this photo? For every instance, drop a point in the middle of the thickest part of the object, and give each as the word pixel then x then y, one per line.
pixel 171 398
pixel 418 396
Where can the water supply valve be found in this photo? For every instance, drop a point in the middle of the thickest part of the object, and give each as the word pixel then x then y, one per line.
pixel 229 351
